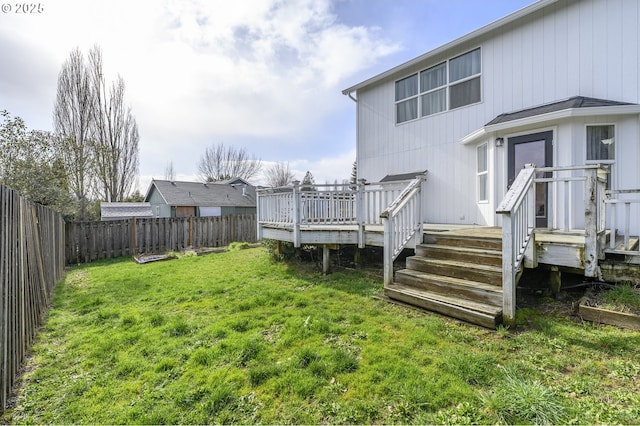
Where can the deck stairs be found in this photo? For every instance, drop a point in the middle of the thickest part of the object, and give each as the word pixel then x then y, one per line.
pixel 454 273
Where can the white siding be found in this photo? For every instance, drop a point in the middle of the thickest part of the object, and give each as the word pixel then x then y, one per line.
pixel 571 48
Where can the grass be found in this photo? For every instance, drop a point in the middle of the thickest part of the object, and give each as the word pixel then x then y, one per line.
pixel 236 338
pixel 625 297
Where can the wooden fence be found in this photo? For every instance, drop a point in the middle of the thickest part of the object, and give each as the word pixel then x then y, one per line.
pixel 31 263
pixel 89 241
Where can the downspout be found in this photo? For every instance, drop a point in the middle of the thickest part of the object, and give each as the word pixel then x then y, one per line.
pixel 351 97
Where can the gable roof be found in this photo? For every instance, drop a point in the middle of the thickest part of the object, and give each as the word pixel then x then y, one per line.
pixel 574 102
pixel 212 194
pixel 528 10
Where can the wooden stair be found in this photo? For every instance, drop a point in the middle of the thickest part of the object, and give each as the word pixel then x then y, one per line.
pixel 455 273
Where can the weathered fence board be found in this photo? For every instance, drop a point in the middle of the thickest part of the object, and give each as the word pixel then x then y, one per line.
pixel 89 241
pixel 31 263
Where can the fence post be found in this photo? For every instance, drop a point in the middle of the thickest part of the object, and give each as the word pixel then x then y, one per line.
pixel 134 237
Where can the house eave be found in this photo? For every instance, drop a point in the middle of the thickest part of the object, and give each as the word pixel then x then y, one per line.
pixel 451 45
pixel 486 131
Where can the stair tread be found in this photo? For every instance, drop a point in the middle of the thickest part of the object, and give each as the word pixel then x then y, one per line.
pixel 458 263
pixel 491 310
pixel 451 280
pixel 470 250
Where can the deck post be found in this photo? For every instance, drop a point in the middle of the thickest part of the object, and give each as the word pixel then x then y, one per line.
pixel 258 216
pixel 296 213
pixel 388 251
pixel 590 258
pixel 508 273
pixel 360 213
pixel 325 259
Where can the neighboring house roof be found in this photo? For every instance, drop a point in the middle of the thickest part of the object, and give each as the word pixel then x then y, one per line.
pixel 120 210
pixel 574 102
pixel 402 68
pixel 212 194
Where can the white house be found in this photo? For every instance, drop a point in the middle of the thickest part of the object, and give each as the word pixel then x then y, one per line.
pixel 555 84
pixel 529 132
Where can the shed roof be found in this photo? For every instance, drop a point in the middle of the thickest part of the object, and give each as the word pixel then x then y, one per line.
pixel 402 176
pixel 212 194
pixel 119 210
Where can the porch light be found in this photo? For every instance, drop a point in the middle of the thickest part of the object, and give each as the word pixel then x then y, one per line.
pixel 499 142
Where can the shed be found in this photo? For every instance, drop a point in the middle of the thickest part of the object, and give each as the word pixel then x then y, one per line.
pixel 183 199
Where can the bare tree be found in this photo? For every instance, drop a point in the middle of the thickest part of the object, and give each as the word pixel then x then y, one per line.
pixel 115 133
pixel 169 172
pixel 72 119
pixel 279 174
pixel 219 163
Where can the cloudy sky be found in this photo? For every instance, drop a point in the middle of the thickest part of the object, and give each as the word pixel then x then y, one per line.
pixel 264 75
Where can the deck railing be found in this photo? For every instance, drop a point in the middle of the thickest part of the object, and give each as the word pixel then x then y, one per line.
pixel 359 204
pixel 402 222
pixel 518 219
pixel 628 198
pixel 518 222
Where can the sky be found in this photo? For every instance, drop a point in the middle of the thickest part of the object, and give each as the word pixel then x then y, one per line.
pixel 263 75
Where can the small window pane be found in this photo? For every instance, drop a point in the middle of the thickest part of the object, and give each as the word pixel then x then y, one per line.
pixel 434 102
pixel 600 142
pixel 407 87
pixel 482 158
pixel 433 77
pixel 465 93
pixel 464 66
pixel 483 187
pixel 407 110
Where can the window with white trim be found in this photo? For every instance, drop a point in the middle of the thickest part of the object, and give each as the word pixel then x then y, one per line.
pixel 447 85
pixel 601 147
pixel 482 172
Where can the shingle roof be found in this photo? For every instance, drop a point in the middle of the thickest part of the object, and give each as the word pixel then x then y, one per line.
pixel 402 176
pixel 119 210
pixel 574 102
pixel 213 194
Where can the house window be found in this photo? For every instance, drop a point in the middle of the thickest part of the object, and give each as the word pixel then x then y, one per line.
pixel 406 99
pixel 601 147
pixel 483 173
pixel 448 85
pixel 600 143
pixel 433 83
pixel 464 79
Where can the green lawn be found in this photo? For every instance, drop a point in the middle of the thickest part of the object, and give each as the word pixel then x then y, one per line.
pixel 236 338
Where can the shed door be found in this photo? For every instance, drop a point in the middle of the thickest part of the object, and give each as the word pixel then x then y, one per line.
pixel 185 211
pixel 537 149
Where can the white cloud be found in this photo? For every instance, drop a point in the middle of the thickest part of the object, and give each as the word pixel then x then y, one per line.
pixel 202 71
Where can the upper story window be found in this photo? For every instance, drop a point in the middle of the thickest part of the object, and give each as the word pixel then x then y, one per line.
pixel 455 82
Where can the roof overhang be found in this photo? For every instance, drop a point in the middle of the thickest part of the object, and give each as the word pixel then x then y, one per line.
pixel 512 125
pixel 451 45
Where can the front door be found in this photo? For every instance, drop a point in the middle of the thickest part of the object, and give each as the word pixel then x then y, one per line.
pixel 535 149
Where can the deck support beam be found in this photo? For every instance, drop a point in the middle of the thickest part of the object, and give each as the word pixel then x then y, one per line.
pixel 555 280
pixel 326 251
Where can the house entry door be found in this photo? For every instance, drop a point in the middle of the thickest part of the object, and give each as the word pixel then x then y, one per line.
pixel 537 149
